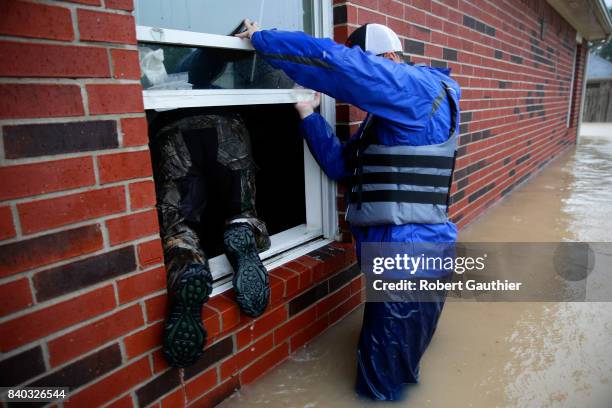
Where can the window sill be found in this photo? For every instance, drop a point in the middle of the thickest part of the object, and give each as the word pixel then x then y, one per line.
pixel 221 267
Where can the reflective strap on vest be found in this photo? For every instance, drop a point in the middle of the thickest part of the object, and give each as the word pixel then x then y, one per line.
pixel 399 196
pixel 414 179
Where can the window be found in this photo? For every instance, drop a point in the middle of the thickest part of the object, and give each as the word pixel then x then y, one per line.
pixel 297 204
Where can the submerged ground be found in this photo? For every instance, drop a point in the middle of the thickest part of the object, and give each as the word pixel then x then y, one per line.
pixel 514 354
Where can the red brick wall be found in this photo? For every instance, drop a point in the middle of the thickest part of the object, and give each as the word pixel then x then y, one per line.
pixel 515 83
pixel 82 282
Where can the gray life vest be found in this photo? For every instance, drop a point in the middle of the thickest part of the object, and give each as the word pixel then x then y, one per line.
pixel 404 184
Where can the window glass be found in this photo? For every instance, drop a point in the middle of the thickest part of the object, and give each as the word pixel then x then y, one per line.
pixel 222 17
pixel 176 67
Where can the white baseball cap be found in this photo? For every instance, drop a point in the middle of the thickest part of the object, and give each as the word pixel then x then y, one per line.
pixel 375 38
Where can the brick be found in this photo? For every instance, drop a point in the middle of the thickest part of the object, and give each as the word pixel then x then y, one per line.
pixel 291 279
pixel 212 322
pixel 160 364
pixel 140 285
pixel 348 306
pixel 39 178
pixel 87 2
pixel 331 262
pixel 54 212
pixel 135 131
pixel 25 19
pixel 120 4
pixel 245 357
pixel 106 27
pixel 142 195
pixel 201 384
pixel 23 255
pixel 126 64
pixel 40 323
pixel 18 59
pixel 304 336
pixel 68 278
pixel 133 226
pixel 340 14
pixel 414 47
pixel 19 100
pixel 228 311
pixel 333 300
pixel 261 326
pixel 317 267
pixel 7 227
pixel 144 340
pixel 114 98
pixel 219 394
pixel 115 384
pixel 277 290
pixel 58 138
pixel 308 298
pixel 150 253
pixel 304 272
pixel 123 402
pixel 84 370
pixel 175 399
pixel 124 166
pixel 342 278
pixel 264 364
pixel 449 54
pixel 15 296
pixel 294 325
pixel 157 387
pixel 212 355
pixel 21 367
pixel 357 284
pixel 157 308
pixel 391 8
pixel 82 340
pixel 366 17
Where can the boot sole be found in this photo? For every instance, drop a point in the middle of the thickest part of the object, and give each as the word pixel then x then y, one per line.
pixel 251 281
pixel 184 333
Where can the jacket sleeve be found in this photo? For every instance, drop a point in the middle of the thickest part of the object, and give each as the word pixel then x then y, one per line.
pixel 398 92
pixel 324 146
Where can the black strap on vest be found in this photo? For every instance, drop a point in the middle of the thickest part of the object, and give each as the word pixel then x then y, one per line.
pixel 392 160
pixel 367 137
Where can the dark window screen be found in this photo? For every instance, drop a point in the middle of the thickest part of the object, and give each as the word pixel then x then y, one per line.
pixel 277 149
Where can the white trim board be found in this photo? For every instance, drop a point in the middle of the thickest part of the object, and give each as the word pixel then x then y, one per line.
pixel 191 38
pixel 174 99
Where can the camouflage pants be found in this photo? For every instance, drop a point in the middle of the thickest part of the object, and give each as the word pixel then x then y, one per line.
pixel 200 162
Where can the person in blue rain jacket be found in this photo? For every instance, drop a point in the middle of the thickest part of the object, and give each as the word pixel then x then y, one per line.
pixel 407 105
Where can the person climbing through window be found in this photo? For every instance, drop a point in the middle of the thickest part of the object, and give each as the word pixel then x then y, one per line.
pixel 409 134
pixel 204 176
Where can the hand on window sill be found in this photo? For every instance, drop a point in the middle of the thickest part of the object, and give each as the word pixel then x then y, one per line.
pixel 306 108
pixel 251 28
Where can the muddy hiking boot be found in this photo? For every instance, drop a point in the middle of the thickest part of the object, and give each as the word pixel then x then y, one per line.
pixel 184 333
pixel 251 281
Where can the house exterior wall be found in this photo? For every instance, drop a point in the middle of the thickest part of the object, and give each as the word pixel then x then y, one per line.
pixel 515 84
pixel 82 282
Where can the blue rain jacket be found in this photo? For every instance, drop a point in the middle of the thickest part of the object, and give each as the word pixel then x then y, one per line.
pixel 401 96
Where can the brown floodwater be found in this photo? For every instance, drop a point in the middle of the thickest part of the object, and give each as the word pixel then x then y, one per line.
pixel 490 354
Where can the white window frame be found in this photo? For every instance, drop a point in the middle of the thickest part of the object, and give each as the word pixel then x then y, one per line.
pixel 321 214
